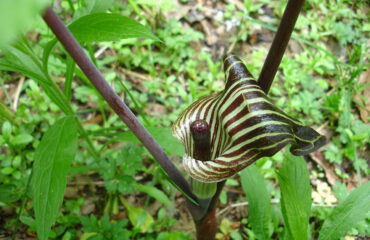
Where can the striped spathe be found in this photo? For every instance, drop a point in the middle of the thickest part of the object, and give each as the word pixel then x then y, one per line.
pixel 244 126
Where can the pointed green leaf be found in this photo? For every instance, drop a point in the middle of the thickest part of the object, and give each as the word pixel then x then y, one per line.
pixel 259 207
pixel 93 6
pixel 53 158
pixel 349 212
pixel 6 113
pixel 18 61
pixel 155 193
pixel 191 199
pixel 29 221
pixel 108 27
pixel 296 201
pixel 22 139
pixel 46 53
pixel 8 193
pixel 138 217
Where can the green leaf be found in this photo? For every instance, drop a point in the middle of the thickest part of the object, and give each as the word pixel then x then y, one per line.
pixel 104 228
pixel 340 191
pixel 22 139
pixel 163 135
pixel 259 206
pixel 46 53
pixel 194 201
pixel 130 159
pixel 17 61
pixel 108 27
pixel 349 212
pixel 92 6
pixel 6 130
pixel 295 189
pixel 138 217
pixel 53 158
pixel 155 193
pixel 173 235
pixel 29 221
pixel 16 16
pixel 8 193
pixel 20 59
pixel 6 114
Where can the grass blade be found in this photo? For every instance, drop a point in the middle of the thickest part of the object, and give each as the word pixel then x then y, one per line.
pixel 22 59
pixel 155 193
pixel 296 201
pixel 46 53
pixel 6 113
pixel 17 60
pixel 70 69
pixel 349 212
pixel 53 158
pixel 259 207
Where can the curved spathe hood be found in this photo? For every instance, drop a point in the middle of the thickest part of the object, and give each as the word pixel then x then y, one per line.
pixel 244 126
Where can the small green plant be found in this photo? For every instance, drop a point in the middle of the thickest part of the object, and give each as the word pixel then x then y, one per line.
pixel 103 228
pixel 295 204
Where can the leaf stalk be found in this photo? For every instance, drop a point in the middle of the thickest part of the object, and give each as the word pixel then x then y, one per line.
pixel 120 108
pixel 279 44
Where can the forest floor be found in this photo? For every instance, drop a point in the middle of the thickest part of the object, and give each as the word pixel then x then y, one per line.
pixel 324 81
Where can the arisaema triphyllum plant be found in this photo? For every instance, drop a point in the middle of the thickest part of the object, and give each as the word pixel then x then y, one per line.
pixel 225 132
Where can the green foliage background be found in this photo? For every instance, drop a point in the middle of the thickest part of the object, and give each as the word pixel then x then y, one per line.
pixel 114 187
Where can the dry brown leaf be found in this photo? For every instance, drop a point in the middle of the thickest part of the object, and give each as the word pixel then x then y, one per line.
pixel 95 119
pixel 88 206
pixel 155 109
pixel 364 97
pixel 178 12
pixel 318 157
pixel 211 37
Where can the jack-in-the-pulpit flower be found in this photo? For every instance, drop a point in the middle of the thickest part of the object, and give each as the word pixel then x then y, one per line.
pixel 244 124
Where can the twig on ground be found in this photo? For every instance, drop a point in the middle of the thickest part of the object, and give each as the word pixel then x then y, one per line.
pixel 100 51
pixel 143 77
pixel 17 94
pixel 273 201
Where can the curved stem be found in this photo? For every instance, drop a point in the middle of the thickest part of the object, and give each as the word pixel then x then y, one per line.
pixel 279 44
pixel 93 74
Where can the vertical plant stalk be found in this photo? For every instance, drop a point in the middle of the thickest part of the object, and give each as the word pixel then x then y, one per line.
pixel 207 226
pixel 279 44
pixel 204 216
pixel 75 50
pixel 201 135
pixel 205 220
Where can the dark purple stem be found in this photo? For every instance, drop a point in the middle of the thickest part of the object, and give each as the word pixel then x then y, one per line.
pixel 76 52
pixel 279 44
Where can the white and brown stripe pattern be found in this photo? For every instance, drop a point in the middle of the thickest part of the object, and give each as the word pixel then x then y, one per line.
pixel 244 126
